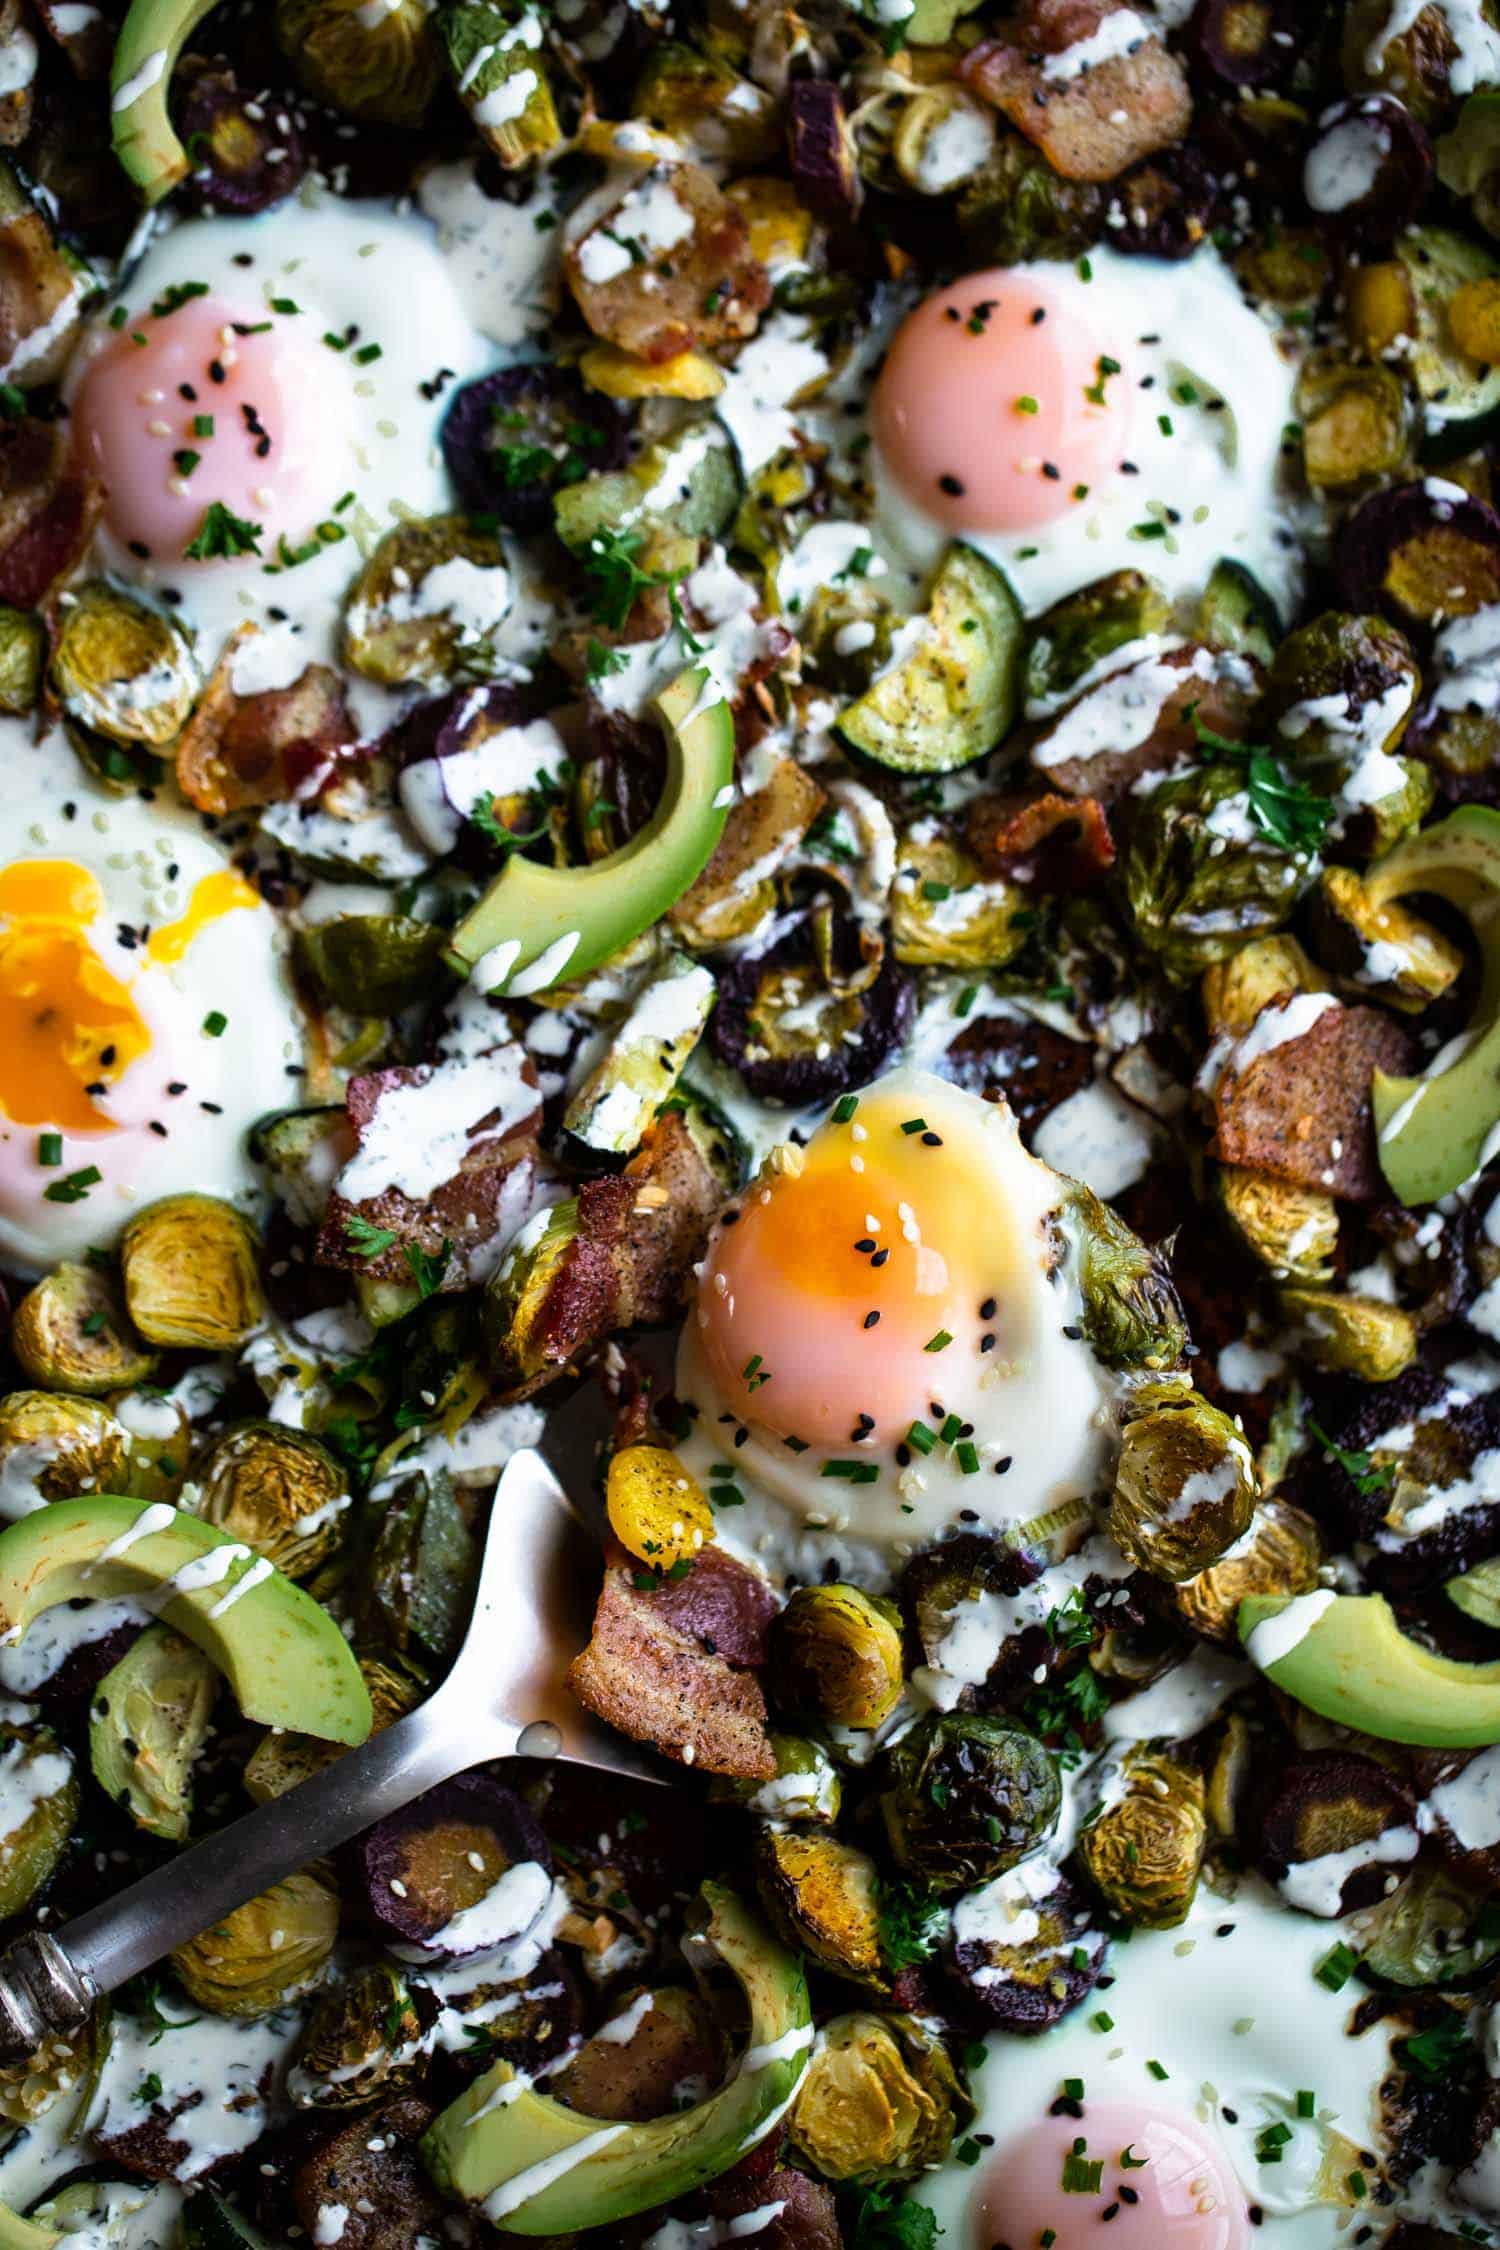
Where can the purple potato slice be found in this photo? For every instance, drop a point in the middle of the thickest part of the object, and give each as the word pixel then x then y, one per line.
pixel 511 439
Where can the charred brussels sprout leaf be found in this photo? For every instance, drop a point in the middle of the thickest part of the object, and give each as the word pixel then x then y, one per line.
pixel 265 1952
pixel 383 71
pixel 1437 1928
pixel 362 2041
pixel 699 100
pixel 1077 633
pixel 70 1333
pixel 1381 946
pixel 1184 1488
pixel 1143 1853
pixel 61 1447
pixel 1281 1553
pixel 190 1274
pixel 966 1796
pixel 423 1568
pixel 879 2100
pixel 372 964
pixel 823 1898
pixel 836 1655
pixel 1131 1314
pixel 148 1721
pixel 1351 1335
pixel 958 692
pixel 38 1779
pixel 276 1490
pixel 122 670
pixel 495 55
pixel 1202 873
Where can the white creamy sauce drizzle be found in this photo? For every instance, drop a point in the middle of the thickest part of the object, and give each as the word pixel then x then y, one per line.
pixel 1316 1886
pixel 421 1132
pixel 1276 1637
pixel 218 2071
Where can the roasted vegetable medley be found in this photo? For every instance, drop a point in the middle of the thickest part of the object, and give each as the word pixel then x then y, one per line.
pixel 761 742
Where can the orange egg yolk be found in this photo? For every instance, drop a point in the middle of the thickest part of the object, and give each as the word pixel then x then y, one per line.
pixel 68 1022
pixel 204 402
pixel 998 407
pixel 839 1300
pixel 1170 2183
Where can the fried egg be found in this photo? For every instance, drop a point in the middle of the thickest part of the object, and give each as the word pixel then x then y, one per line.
pixel 1213 2082
pixel 146 1014
pixel 1072 420
pixel 885 1337
pixel 287 375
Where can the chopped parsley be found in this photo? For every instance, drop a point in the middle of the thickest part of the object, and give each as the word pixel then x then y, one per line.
pixel 221 534
pixel 1284 809
pixel 367 1240
pixel 912 1924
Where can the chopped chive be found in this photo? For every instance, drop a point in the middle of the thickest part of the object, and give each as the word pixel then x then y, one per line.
pixel 284 305
pixel 939 1342
pixel 914 1125
pixel 1307 2104
pixel 203 425
pixel 1336 1968
pixel 952 1430
pixel 1157 2070
pixel 1104 2021
pixel 366 353
pixel 844 1108
pixel 215 1024
pixel 1073 2088
pixel 966 1000
pixel 852 1472
pixel 75 1187
pixel 967 1457
pixel 920 1438
pixel 49 1148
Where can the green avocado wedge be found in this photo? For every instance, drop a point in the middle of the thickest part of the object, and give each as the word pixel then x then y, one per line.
pixel 1345 1657
pixel 1432 1132
pixel 535 2167
pixel 140 80
pixel 17 2233
pixel 285 1660
pixel 535 924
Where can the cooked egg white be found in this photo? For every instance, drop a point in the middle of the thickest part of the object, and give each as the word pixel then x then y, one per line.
pixel 146 1014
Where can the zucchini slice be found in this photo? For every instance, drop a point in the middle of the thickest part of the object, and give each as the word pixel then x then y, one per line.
pixel 1460 396
pixel 957 692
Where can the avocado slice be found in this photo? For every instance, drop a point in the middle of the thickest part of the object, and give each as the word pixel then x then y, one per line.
pixel 1431 1133
pixel 536 924
pixel 151 39
pixel 1345 1657
pixel 283 1656
pixel 535 2167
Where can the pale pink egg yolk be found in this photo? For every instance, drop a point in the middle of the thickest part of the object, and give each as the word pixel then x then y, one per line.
pixel 1170 2182
pixel 216 402
pixel 846 1297
pixel 998 407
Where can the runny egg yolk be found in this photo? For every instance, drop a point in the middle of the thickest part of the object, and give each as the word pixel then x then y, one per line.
pixel 998 407
pixel 203 401
pixel 68 1022
pixel 856 1278
pixel 1164 2183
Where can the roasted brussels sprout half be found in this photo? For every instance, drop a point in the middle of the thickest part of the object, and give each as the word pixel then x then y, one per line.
pixel 1201 875
pixel 371 964
pixel 381 68
pixel 277 1490
pixel 1281 1553
pixel 266 1952
pixel 23 653
pixel 1340 691
pixel 1076 634
pixel 1016 207
pixel 823 1897
pixel 879 2100
pixel 190 1275
pixel 1438 1928
pixel 1185 1488
pixel 1237 614
pixel 148 1721
pixel 419 1580
pixel 1356 423
pixel 426 605
pixel 1131 1314
pixel 836 1656
pixel 702 102
pixel 1352 1335
pixel 518 1296
pixel 28 2089
pixel 1292 1230
pixel 1143 1853
pixel 1382 947
pixel 1235 990
pixel 965 1796
pixel 805 1786
pixel 57 1447
pixel 495 55
pixel 121 669
pixel 946 914
pixel 70 1333
pixel 363 2040
pixel 1468 157
pixel 41 1800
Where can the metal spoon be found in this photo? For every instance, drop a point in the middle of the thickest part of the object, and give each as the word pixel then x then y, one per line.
pixel 504 1697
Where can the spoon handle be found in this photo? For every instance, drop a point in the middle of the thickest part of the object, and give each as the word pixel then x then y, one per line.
pixel 49 1981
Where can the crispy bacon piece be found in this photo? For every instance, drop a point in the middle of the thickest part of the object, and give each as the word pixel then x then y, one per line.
pixel 260 749
pixel 1301 1110
pixel 371 2171
pixel 1211 692
pixel 1096 123
pixel 483 1202
pixel 85 36
pixel 1058 843
pixel 47 512
pixel 702 287
pixel 650 1674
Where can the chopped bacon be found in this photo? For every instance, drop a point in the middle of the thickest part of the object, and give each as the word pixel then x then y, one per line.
pixel 1215 692
pixel 1096 123
pixel 1056 843
pixel 650 1674
pixel 1301 1110
pixel 47 512
pixel 240 750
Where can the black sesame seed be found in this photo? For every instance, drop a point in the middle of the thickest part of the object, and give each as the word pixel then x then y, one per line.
pixel 951 485
pixel 932 1140
pixel 872 1320
pixel 1000 1469
pixel 216 372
